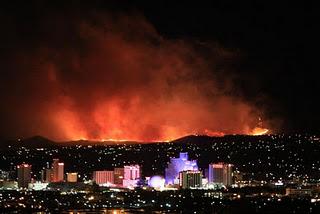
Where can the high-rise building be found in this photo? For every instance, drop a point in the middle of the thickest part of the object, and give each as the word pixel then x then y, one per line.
pixel 46 175
pixel 131 176
pixel 43 175
pixel 221 173
pixel 24 175
pixel 57 171
pixel 72 177
pixel 131 172
pixel 49 175
pixel 118 176
pixel 215 173
pixel 228 175
pixel 177 165
pixel 103 177
pixel 190 179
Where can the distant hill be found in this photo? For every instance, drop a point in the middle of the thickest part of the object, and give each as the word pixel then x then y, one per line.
pixel 208 139
pixel 39 141
pixel 89 142
pixel 32 142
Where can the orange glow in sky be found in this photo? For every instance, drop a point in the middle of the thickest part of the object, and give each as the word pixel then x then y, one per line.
pixel 140 87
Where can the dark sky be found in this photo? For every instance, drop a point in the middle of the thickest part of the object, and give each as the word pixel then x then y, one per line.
pixel 248 60
pixel 280 44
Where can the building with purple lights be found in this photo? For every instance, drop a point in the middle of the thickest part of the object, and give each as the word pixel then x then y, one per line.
pixel 177 165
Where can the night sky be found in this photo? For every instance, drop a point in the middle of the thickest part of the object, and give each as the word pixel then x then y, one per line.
pixel 156 71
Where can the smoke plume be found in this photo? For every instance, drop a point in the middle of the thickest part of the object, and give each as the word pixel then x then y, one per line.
pixel 115 77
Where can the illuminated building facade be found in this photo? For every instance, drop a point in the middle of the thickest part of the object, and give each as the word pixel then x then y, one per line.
pixel 24 175
pixel 220 173
pixel 131 172
pixel 177 165
pixel 103 177
pixel 132 175
pixel 57 171
pixel 118 176
pixel 72 177
pixel 48 175
pixel 190 179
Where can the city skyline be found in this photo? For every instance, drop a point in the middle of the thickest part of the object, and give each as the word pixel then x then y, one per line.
pixel 211 172
pixel 130 106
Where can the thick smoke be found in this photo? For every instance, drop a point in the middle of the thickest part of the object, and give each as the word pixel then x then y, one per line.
pixel 115 77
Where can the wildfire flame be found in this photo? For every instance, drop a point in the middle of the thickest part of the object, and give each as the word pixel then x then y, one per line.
pixel 259 131
pixel 119 79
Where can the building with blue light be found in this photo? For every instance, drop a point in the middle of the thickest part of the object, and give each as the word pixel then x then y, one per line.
pixel 177 165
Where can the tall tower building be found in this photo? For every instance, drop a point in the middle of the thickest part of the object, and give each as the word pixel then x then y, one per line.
pixel 221 173
pixel 46 175
pixel 190 179
pixel 228 174
pixel 49 175
pixel 57 171
pixel 24 175
pixel 177 165
pixel 118 176
pixel 215 173
pixel 131 176
pixel 132 172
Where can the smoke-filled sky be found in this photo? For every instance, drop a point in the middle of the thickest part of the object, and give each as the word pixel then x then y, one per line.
pixel 139 72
